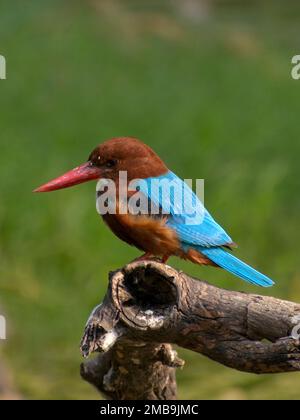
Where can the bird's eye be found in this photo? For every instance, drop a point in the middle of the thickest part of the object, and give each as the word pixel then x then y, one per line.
pixel 111 163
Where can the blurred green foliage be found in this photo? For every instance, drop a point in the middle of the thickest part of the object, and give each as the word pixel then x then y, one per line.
pixel 208 86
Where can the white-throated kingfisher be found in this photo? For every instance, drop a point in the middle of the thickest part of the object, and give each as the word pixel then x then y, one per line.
pixel 164 233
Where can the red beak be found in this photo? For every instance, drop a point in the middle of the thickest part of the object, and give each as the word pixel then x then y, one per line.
pixel 82 173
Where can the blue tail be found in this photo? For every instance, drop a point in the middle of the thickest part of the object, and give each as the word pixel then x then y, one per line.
pixel 237 267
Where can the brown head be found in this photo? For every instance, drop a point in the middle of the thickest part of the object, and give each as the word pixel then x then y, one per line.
pixel 108 159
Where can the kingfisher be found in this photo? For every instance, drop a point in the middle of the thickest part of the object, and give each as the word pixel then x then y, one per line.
pixel 166 231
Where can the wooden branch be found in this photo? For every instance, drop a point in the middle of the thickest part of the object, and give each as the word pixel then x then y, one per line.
pixel 149 304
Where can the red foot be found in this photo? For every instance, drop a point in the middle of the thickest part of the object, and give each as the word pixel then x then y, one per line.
pixel 146 256
pixel 149 257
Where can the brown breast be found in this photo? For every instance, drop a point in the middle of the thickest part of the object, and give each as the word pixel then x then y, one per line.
pixel 144 232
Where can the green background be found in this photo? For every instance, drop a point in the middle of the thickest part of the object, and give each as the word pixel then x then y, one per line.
pixel 206 84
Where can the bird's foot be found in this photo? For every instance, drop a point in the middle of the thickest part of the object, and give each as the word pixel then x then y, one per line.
pixel 145 257
pixel 149 257
pixel 165 258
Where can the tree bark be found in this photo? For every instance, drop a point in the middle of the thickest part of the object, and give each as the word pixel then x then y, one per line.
pixel 149 305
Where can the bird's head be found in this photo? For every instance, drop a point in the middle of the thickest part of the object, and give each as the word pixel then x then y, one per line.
pixel 107 160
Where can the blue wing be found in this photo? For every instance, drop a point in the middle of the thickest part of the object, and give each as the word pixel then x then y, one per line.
pixel 195 227
pixel 187 215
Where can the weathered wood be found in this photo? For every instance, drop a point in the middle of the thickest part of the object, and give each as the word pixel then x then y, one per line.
pixel 149 304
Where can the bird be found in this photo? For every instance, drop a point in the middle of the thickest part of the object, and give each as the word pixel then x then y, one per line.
pixel 165 232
